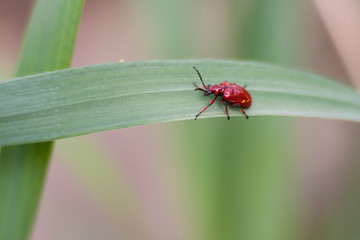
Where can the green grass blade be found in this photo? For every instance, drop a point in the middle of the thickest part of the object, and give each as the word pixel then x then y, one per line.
pixel 50 38
pixel 91 99
pixel 22 170
pixel 48 46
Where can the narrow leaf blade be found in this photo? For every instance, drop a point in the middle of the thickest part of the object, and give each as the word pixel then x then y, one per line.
pixel 48 46
pixel 96 98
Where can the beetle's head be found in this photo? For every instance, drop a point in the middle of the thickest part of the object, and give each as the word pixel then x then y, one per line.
pixel 208 90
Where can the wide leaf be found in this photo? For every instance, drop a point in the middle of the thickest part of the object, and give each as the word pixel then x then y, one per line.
pixel 78 101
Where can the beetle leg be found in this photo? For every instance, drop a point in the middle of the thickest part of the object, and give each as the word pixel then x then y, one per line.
pixel 226 108
pixel 244 112
pixel 211 102
pixel 245 86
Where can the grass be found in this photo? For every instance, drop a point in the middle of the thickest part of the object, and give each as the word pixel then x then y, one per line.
pixel 78 101
pixel 42 105
pixel 48 46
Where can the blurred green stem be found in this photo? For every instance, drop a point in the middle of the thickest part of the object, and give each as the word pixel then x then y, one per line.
pixel 48 45
pixel 22 172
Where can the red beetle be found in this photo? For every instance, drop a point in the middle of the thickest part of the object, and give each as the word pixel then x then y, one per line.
pixel 229 93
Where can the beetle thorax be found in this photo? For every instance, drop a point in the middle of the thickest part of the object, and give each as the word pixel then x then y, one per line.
pixel 216 89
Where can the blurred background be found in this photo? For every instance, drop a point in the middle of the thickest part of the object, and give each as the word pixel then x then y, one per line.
pixel 264 178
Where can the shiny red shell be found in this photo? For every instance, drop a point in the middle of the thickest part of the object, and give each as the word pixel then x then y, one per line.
pixel 236 95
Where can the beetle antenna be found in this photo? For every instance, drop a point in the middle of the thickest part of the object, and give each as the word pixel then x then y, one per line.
pixel 198 88
pixel 199 76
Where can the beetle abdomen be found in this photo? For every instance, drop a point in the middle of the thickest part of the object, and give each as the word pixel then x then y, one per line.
pixel 237 95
